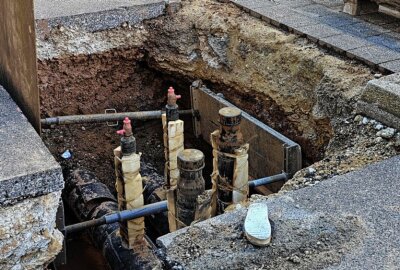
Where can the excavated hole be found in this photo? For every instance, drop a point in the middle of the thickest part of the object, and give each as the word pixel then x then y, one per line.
pixel 87 84
pixel 286 82
pixel 113 80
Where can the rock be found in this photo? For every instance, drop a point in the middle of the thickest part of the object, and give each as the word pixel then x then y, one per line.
pixel 358 118
pixel 378 126
pixel 294 259
pixel 386 133
pixel 365 121
pixel 27 233
pixel 397 141
pixel 310 171
pixel 378 139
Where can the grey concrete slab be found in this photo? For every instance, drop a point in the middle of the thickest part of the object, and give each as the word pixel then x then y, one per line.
pixel 390 40
pixel 381 100
pixel 379 18
pixel 255 3
pixel 296 21
pixel 47 9
pixel 393 66
pixel 27 169
pixel 316 11
pixel 330 3
pixel 347 222
pixel 316 32
pixel 343 42
pixel 363 29
pixel 294 3
pixel 373 55
pixel 374 111
pixel 93 15
pixel 385 92
pixel 338 20
pixel 274 15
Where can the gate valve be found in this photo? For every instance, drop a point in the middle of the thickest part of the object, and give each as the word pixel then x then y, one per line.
pixel 127 129
pixel 172 97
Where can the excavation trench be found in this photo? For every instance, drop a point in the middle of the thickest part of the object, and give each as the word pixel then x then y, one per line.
pixel 284 81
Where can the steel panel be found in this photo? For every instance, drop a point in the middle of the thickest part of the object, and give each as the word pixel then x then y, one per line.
pixel 270 152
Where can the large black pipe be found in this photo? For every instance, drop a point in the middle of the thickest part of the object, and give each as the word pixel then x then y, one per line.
pixel 108 117
pixel 153 208
pixel 92 201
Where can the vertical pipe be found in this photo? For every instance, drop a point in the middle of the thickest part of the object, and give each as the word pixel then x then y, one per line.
pixel 230 138
pixel 190 185
pixel 129 185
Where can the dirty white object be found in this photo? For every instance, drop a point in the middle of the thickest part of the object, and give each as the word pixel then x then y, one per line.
pixel 66 155
pixel 256 225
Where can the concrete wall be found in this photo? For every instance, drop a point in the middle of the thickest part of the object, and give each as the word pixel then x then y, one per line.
pixel 30 189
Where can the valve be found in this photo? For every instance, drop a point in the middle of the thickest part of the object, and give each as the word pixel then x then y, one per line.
pixel 128 142
pixel 171 107
pixel 127 128
pixel 172 97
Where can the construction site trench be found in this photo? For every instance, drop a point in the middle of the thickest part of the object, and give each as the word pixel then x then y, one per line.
pixel 304 92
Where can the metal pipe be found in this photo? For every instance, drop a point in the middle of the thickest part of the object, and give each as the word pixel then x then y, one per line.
pixel 108 117
pixel 268 180
pixel 153 208
pixel 146 210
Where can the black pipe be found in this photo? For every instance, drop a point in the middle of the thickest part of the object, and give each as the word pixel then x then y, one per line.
pixel 108 117
pixel 146 210
pixel 153 208
pixel 268 180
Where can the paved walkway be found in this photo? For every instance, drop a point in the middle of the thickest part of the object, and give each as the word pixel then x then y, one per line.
pixel 96 15
pixel 373 39
pixel 347 222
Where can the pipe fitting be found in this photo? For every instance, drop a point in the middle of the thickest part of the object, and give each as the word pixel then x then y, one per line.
pixel 230 136
pixel 128 142
pixel 190 185
pixel 171 107
pixel 172 97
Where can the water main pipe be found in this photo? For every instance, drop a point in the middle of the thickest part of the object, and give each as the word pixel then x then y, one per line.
pixel 154 208
pixel 108 117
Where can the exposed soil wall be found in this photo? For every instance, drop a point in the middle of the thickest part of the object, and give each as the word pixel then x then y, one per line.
pixel 84 84
pixel 288 83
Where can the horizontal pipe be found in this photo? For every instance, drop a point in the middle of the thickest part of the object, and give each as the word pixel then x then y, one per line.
pixel 153 208
pixel 107 117
pixel 146 210
pixel 268 180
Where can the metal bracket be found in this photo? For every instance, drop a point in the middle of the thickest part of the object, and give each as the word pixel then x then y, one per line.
pixel 111 124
